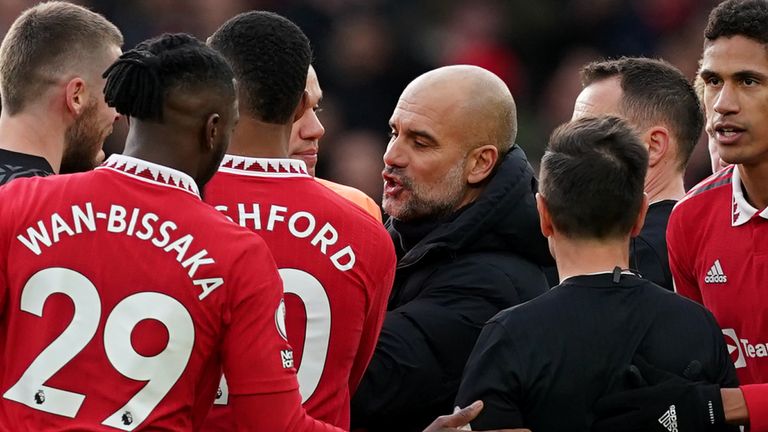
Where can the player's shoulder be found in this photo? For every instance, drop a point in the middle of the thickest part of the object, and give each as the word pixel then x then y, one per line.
pixel 660 211
pixel 707 189
pixel 352 194
pixel 40 189
pixel 355 196
pixel 662 300
pixel 533 313
pixel 342 207
pixel 341 189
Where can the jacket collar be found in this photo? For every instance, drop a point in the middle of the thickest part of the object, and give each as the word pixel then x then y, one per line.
pixel 151 173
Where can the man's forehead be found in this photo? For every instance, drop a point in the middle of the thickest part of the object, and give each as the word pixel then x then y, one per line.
pixel 421 110
pixel 599 97
pixel 733 53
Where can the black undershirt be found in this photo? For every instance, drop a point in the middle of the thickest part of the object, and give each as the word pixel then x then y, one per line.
pixel 14 165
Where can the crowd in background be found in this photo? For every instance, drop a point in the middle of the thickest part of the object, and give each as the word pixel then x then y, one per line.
pixel 366 51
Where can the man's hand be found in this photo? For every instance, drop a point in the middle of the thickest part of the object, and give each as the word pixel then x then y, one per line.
pixel 459 420
pixel 660 401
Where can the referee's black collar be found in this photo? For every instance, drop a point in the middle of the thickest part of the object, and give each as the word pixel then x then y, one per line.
pixel 601 279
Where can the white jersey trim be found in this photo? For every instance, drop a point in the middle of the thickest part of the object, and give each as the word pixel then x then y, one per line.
pixel 741 208
pixel 151 173
pixel 264 167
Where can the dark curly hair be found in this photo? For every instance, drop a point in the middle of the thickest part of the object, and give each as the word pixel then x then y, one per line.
pixel 270 56
pixel 139 81
pixel 748 18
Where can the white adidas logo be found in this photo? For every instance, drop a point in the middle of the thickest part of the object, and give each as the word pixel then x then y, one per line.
pixel 669 419
pixel 715 274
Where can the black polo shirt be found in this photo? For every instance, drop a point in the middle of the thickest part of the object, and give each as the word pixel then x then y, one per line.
pixel 648 251
pixel 543 364
pixel 14 165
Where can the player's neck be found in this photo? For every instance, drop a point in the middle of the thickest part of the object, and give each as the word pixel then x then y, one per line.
pixel 255 138
pixel 754 183
pixel 142 143
pixel 34 132
pixel 578 257
pixel 664 183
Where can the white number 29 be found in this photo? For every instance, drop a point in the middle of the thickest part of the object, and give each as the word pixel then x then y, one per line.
pixel 160 371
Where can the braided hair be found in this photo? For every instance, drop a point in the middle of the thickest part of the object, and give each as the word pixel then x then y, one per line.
pixel 139 81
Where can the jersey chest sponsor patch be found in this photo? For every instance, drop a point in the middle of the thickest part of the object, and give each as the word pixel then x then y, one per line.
pixel 742 349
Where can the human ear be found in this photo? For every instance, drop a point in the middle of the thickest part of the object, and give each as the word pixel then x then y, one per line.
pixel 481 162
pixel 657 139
pixel 212 126
pixel 545 221
pixel 75 96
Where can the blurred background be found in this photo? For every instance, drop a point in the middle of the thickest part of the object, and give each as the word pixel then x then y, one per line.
pixel 366 52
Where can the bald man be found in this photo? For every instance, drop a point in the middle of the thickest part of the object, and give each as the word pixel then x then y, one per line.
pixel 460 196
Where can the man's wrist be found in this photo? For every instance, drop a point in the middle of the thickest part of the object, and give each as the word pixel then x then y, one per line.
pixel 734 406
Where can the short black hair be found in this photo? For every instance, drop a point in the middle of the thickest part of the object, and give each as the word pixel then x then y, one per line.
pixel 748 18
pixel 270 56
pixel 592 177
pixel 140 80
pixel 654 91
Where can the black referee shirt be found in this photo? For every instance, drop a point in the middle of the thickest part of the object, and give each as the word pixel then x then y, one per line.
pixel 14 165
pixel 648 251
pixel 543 364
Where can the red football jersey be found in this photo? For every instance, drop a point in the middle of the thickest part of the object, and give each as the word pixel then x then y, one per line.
pixel 337 265
pixel 122 296
pixel 718 254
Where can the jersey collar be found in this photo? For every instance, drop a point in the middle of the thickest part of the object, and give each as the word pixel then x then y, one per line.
pixel 742 209
pixel 151 173
pixel 263 167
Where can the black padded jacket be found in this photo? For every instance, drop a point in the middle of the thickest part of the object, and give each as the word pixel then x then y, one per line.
pixel 452 277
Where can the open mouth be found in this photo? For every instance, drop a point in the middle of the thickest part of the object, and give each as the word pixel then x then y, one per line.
pixel 728 134
pixel 392 185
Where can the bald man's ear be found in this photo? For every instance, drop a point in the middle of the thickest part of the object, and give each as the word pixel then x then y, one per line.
pixel 657 139
pixel 212 131
pixel 480 163
pixel 303 105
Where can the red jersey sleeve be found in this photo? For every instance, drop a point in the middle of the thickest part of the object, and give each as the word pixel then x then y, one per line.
pixel 256 356
pixel 680 257
pixel 275 412
pixel 375 317
pixel 756 397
